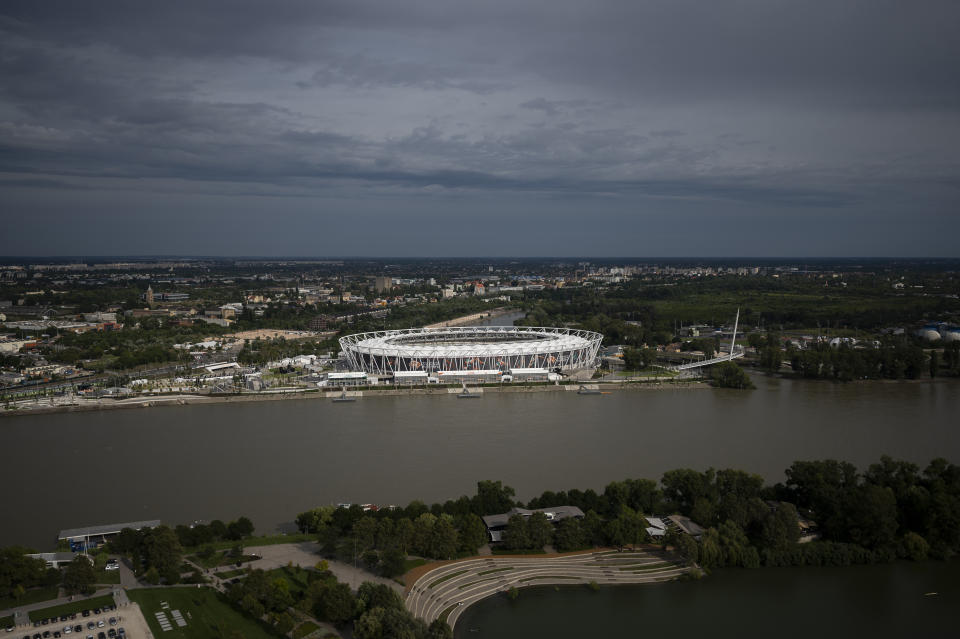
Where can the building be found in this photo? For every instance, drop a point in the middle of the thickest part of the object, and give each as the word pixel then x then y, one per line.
pixel 480 376
pixel 347 379
pixel 81 539
pixel 54 559
pixel 684 525
pixel 321 322
pixel 382 283
pixel 410 378
pixel 471 348
pixel 497 524
pixel 530 374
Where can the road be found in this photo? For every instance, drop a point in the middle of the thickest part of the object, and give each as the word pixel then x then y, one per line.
pixel 459 584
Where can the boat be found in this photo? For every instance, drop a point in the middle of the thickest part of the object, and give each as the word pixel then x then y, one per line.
pixel 583 390
pixel 466 394
pixel 344 397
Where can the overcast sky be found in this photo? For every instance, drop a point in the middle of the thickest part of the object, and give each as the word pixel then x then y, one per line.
pixel 501 128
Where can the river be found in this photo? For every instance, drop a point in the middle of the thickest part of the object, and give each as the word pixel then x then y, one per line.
pixel 858 601
pixel 270 460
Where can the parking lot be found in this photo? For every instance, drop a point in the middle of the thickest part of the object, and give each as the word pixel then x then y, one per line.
pixel 106 623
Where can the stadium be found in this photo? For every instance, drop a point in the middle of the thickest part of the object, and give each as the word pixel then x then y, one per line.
pixel 471 348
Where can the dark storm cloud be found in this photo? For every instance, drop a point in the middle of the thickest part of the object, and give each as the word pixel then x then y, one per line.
pixel 816 105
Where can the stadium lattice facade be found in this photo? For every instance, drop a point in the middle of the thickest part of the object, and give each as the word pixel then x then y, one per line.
pixel 462 348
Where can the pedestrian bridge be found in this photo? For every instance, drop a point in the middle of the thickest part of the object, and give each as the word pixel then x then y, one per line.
pixel 733 354
pixel 707 362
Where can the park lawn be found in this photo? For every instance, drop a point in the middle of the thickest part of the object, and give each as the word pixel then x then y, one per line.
pixel 304 629
pixel 72 607
pixel 410 564
pixel 108 577
pixel 298 578
pixel 32 596
pixel 207 614
pixel 230 574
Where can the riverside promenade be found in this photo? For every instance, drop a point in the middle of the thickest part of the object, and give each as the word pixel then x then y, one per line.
pixel 447 590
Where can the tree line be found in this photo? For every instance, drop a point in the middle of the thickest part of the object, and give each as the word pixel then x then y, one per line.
pixel 375 611
pixel 891 510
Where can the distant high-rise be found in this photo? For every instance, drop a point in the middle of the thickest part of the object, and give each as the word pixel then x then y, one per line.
pixel 383 283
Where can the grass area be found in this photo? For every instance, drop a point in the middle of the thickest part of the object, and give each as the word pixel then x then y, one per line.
pixel 410 564
pixel 478 581
pixel 304 629
pixel 526 579
pixel 446 577
pixel 298 578
pixel 72 607
pixel 108 577
pixel 230 574
pixel 493 570
pixel 657 566
pixel 207 614
pixel 266 540
pixel 34 595
pixel 6 622
pixel 504 551
pixel 446 613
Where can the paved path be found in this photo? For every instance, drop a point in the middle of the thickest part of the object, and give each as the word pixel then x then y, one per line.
pixel 305 555
pixel 459 584
pixel 51 603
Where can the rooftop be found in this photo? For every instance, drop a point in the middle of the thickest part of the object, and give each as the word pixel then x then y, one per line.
pixel 107 529
pixel 554 513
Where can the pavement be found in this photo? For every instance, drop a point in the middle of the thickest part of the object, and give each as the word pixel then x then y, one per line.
pixel 305 555
pixel 459 584
pixel 15 612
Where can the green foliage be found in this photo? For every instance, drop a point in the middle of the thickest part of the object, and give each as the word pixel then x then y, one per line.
pixel 19 570
pixel 79 576
pixel 729 375
pixel 570 535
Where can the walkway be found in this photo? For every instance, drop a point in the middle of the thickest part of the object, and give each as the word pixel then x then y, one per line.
pixel 304 554
pixel 457 585
pixel 20 612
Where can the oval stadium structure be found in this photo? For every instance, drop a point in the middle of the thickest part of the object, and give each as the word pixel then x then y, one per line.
pixel 464 348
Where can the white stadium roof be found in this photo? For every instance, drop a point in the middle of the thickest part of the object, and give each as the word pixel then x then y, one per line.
pixel 471 347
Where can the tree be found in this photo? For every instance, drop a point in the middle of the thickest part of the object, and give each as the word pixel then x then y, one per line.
pixel 729 375
pixel 687 548
pixel 371 595
pixel 392 562
pixel 365 532
pixel 473 533
pixel 422 528
pixel 539 530
pixel 439 629
pixel 515 537
pixel 336 603
pixel 616 533
pixel 404 533
pixel 283 622
pixel 569 535
pixel 162 550
pixel 240 528
pixel 915 547
pixel 492 498
pixel 934 363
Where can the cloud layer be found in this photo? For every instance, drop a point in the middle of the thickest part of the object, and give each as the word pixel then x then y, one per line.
pixel 736 124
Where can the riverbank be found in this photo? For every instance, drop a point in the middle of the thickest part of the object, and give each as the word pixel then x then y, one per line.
pixel 86 405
